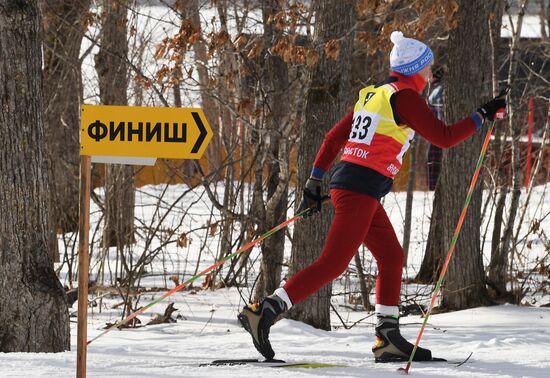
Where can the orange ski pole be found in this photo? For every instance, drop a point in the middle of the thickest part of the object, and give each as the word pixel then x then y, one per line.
pixel 405 370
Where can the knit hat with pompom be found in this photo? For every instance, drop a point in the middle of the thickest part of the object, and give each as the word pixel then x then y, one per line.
pixel 408 56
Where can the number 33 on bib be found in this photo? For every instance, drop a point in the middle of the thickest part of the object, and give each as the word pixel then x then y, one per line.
pixel 376 141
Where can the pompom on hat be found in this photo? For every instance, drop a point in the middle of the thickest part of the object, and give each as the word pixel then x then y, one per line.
pixel 408 56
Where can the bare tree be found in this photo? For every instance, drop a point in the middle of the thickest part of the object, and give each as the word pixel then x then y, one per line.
pixel 498 268
pixel 229 88
pixel 33 314
pixel 501 176
pixel 274 85
pixel 63 32
pixel 112 73
pixel 325 104
pixel 209 106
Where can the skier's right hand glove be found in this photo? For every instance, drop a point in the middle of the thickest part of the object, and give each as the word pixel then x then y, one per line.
pixel 496 108
pixel 311 198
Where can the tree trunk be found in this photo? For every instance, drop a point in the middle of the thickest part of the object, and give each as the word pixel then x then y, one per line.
pixel 465 282
pixel 224 119
pixel 544 13
pixel 501 184
pixel 113 83
pixel 410 196
pixel 363 283
pixel 325 105
pixel 435 246
pixel 62 86
pixel 208 104
pixel 33 313
pixel 498 267
pixel 274 83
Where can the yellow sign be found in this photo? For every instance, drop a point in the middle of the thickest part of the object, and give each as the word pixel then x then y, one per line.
pixel 130 131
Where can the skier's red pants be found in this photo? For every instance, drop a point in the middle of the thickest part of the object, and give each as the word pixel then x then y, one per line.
pixel 358 218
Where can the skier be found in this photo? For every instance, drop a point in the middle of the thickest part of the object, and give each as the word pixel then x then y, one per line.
pixel 374 138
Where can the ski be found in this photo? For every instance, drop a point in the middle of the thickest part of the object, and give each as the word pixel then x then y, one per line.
pixel 455 363
pixel 271 363
pixel 314 365
pixel 460 363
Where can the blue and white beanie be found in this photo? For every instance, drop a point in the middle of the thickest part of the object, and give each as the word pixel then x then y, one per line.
pixel 408 56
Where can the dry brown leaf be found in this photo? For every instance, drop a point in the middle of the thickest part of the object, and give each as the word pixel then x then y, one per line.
pixel 175 280
pixel 88 19
pixel 245 107
pixel 241 41
pixel 332 49
pixel 193 38
pixel 256 50
pixel 163 72
pixel 177 58
pixel 364 37
pixel 183 241
pixel 250 233
pixel 312 57
pixel 244 69
pixel 362 8
pixel 280 20
pixel 161 49
pixel 299 55
pixel 208 281
pixel 213 229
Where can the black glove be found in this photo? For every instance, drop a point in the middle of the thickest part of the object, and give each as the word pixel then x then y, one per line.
pixel 311 198
pixel 496 108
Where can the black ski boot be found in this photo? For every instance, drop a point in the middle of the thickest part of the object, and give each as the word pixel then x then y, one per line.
pixel 258 318
pixel 390 346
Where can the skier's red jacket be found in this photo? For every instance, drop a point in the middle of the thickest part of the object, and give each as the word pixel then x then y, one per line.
pixel 409 109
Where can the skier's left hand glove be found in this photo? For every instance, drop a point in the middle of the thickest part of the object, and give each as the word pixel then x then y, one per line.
pixel 496 108
pixel 311 198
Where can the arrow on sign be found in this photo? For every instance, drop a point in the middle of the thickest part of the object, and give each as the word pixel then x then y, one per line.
pixel 202 129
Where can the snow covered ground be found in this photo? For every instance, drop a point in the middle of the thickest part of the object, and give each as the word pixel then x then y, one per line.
pixel 506 341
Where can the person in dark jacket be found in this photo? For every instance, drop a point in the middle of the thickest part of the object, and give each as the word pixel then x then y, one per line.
pixel 434 154
pixel 373 139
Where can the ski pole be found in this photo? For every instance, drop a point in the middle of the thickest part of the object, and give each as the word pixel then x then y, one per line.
pixel 209 269
pixel 452 247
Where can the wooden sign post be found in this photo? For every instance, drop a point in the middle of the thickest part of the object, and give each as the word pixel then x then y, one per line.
pixel 83 264
pixel 127 135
